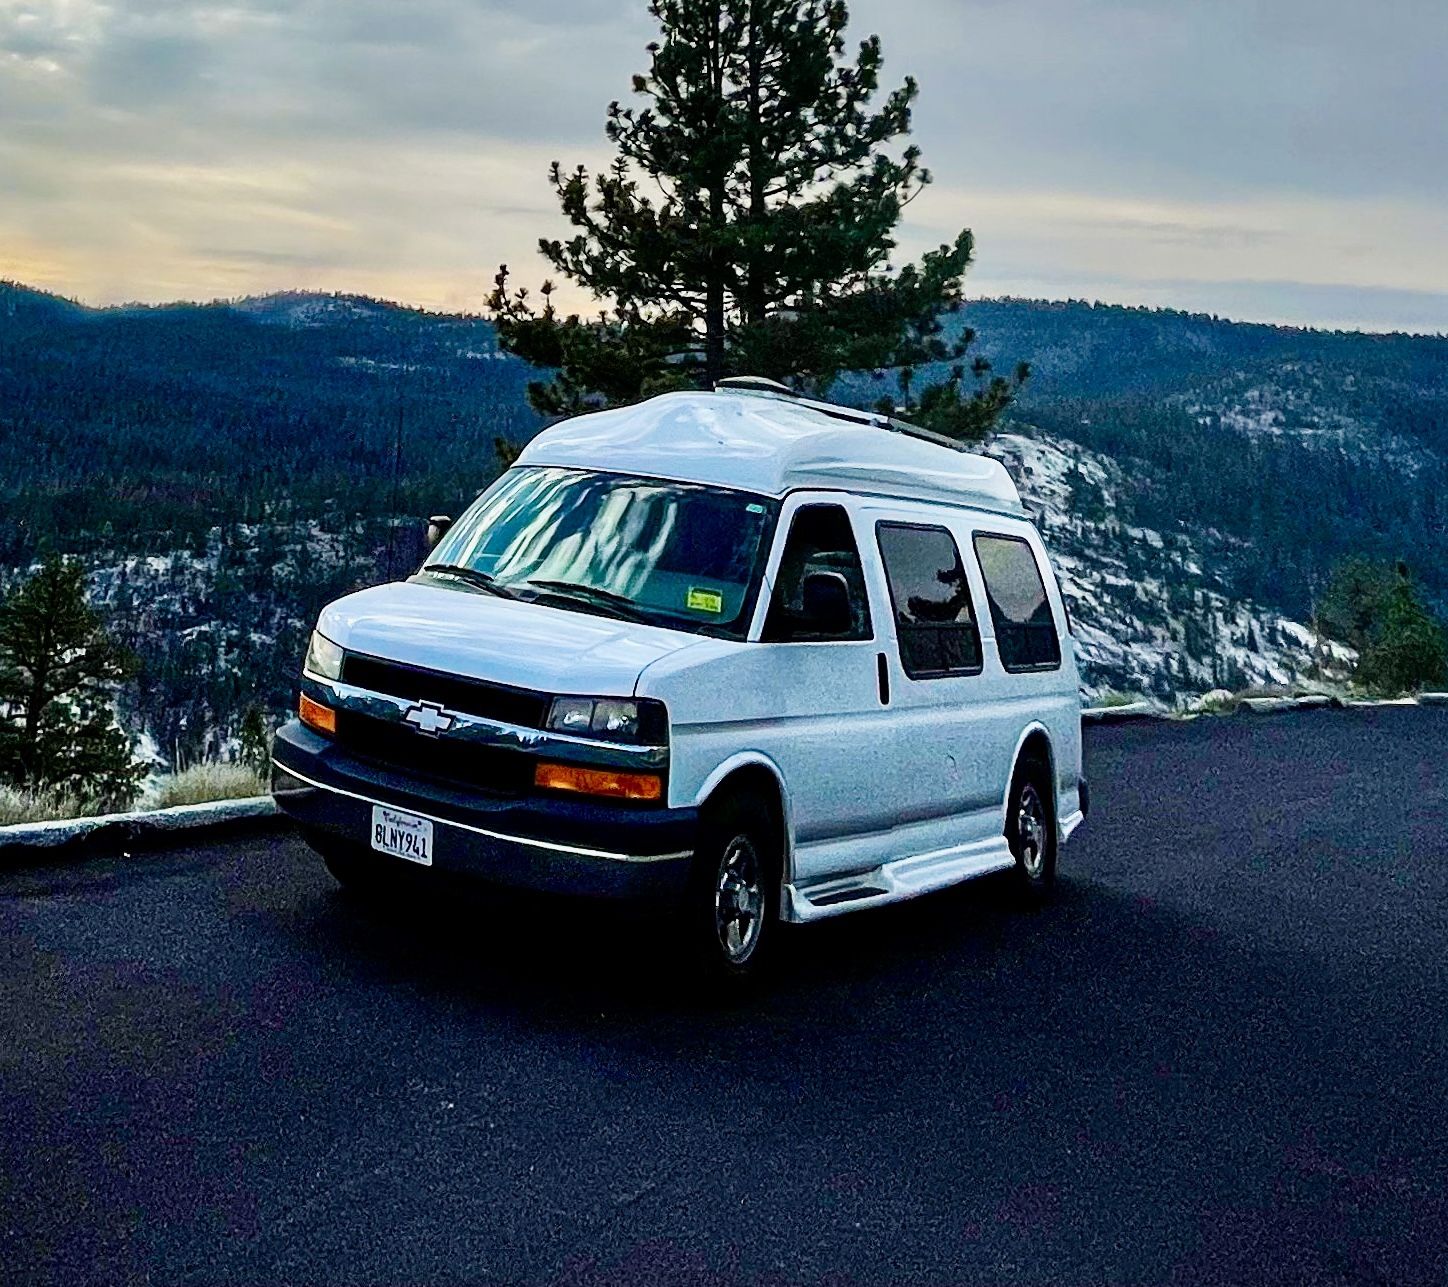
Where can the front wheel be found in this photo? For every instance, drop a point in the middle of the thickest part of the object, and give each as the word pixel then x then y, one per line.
pixel 732 907
pixel 1031 831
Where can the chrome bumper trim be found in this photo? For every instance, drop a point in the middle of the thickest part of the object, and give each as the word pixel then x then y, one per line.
pixel 550 845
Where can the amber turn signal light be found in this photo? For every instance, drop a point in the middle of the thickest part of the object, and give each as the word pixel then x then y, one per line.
pixel 316 716
pixel 602 782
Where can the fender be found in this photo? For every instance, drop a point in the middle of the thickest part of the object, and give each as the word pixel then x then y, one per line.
pixel 1035 726
pixel 759 760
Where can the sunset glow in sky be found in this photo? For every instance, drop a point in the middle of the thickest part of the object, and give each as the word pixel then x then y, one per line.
pixel 1283 160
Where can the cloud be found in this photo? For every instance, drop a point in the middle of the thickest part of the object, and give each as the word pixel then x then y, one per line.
pixel 1269 236
pixel 1206 100
pixel 155 148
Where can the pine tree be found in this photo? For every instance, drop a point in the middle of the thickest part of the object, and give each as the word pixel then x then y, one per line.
pixel 255 739
pixel 506 450
pixel 1356 600
pixel 58 669
pixel 1408 649
pixel 764 246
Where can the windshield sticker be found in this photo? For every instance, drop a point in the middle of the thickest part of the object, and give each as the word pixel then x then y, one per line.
pixel 705 600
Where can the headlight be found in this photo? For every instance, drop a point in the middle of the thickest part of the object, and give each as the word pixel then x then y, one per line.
pixel 610 719
pixel 324 658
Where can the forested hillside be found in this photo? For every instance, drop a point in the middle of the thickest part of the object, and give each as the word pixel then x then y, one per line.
pixel 225 468
pixel 124 426
pixel 1307 445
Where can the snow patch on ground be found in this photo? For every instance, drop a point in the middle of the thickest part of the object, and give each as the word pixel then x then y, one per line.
pixel 1149 616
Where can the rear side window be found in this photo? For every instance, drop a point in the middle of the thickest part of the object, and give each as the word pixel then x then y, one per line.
pixel 934 618
pixel 1025 629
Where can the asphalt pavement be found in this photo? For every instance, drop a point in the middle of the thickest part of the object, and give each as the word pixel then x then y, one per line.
pixel 1218 1056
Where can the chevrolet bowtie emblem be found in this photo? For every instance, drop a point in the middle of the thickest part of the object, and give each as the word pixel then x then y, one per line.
pixel 428 718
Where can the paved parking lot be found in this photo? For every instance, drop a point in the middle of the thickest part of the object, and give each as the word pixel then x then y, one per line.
pixel 1219 1056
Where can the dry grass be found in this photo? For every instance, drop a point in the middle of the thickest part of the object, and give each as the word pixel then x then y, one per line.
pixel 204 783
pixel 19 807
pixel 200 784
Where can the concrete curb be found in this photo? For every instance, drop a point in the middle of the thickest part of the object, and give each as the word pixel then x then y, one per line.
pixel 121 831
pixel 1255 706
pixel 1123 714
pixel 1272 705
pixel 1362 702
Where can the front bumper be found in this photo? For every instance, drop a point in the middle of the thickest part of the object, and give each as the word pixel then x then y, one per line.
pixel 580 847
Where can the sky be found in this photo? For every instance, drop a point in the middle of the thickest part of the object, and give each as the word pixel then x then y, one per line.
pixel 1270 160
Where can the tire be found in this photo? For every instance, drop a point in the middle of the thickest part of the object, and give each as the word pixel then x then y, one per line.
pixel 1031 830
pixel 731 913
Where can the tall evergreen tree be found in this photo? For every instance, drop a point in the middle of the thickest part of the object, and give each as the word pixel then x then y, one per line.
pixel 58 669
pixel 746 227
pixel 1408 649
pixel 1356 600
pixel 255 738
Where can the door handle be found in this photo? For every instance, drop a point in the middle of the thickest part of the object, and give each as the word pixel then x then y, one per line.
pixel 882 669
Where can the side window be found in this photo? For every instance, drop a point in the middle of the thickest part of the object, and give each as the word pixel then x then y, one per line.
pixel 1025 629
pixel 934 618
pixel 820 540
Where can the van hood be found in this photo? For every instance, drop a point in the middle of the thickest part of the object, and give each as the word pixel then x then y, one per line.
pixel 525 645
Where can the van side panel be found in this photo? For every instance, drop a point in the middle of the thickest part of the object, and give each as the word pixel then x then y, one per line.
pixel 961 733
pixel 948 728
pixel 868 783
pixel 811 710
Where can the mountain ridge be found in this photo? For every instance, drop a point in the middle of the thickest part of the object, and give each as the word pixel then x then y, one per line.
pixel 1033 302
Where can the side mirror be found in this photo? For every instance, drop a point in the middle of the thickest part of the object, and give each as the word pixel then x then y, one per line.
pixel 825 598
pixel 437 527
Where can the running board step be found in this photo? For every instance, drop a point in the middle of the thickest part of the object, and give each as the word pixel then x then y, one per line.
pixel 848 896
pixel 896 881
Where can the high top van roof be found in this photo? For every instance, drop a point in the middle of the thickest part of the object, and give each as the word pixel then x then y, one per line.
pixel 772 444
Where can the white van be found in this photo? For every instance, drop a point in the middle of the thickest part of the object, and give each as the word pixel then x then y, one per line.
pixel 763 658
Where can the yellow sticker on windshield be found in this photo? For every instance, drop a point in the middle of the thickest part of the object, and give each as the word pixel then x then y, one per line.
pixel 705 600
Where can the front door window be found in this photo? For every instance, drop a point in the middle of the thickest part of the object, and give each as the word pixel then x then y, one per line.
pixel 820 540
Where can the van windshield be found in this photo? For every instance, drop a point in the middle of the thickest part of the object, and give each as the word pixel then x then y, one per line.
pixel 677 555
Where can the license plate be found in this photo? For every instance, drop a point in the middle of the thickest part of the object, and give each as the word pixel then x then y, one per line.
pixel 402 835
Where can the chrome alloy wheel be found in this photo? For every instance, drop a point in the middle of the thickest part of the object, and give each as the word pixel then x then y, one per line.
pixel 739 900
pixel 1031 832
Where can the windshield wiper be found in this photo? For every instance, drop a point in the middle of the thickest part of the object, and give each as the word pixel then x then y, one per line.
pixel 472 576
pixel 618 604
